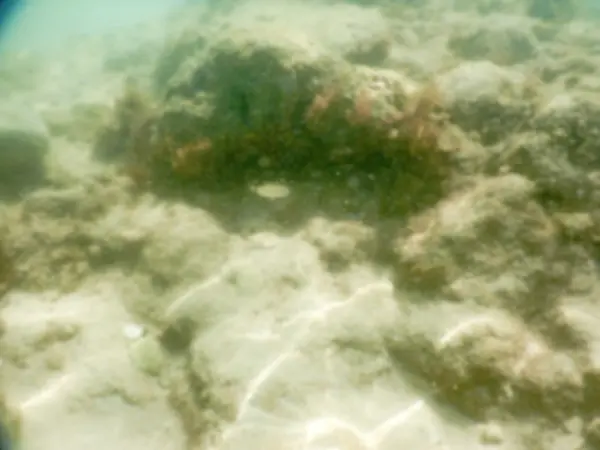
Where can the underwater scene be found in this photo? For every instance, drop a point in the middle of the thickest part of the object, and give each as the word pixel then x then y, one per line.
pixel 300 225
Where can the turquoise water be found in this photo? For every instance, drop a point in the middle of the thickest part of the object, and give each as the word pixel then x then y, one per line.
pixel 47 24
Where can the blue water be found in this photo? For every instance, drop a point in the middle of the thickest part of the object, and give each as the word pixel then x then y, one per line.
pixel 48 24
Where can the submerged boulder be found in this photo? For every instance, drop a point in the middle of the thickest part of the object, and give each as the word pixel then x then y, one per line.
pixel 256 102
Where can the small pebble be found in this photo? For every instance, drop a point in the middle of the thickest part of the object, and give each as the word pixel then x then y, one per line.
pixel 133 331
pixel 272 191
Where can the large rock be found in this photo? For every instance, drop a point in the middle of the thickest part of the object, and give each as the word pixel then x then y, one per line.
pixel 267 100
pixel 505 41
pixel 487 99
